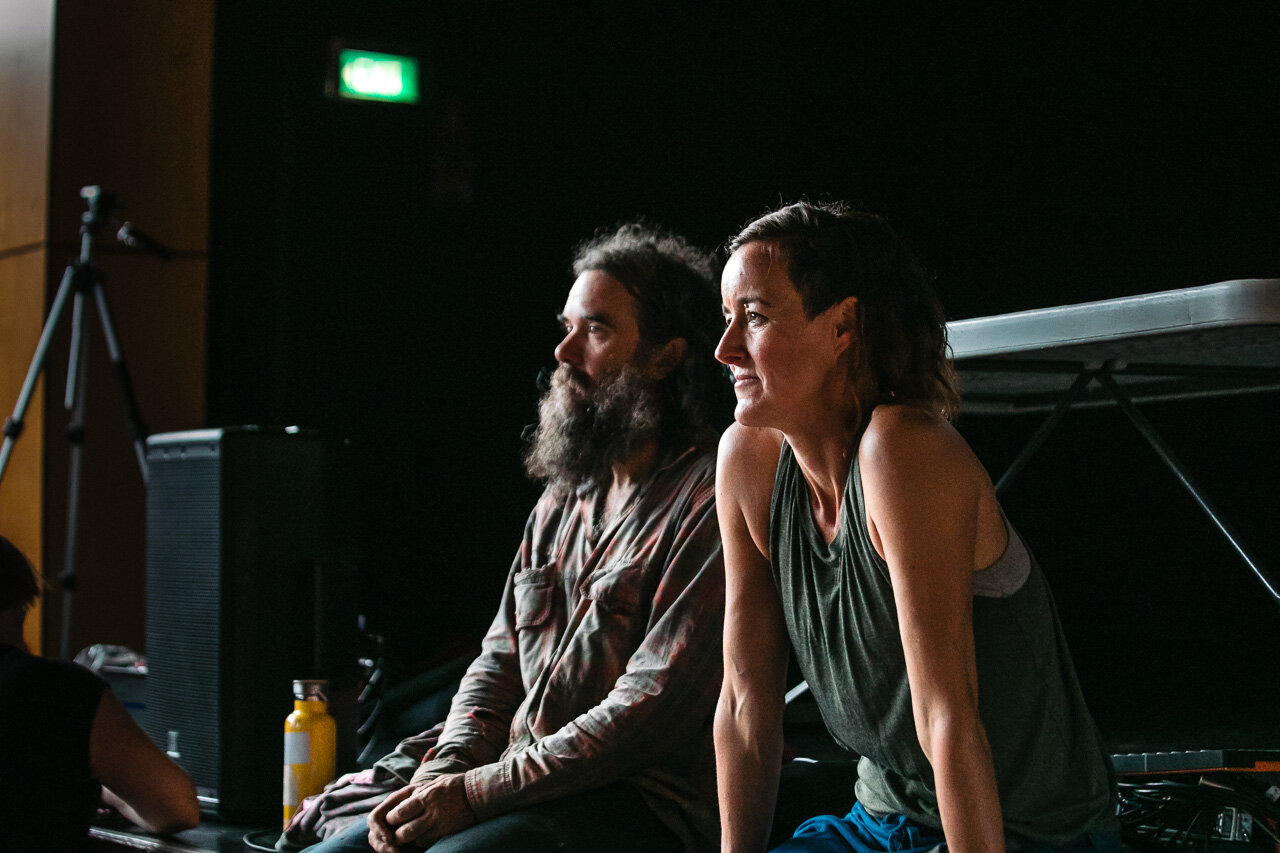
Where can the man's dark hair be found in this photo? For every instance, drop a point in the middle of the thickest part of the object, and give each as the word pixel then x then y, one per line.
pixel 832 252
pixel 675 287
pixel 18 584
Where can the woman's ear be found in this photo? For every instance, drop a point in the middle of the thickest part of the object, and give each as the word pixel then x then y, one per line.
pixel 668 358
pixel 848 325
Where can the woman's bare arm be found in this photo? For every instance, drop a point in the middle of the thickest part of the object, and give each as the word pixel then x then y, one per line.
pixel 138 779
pixel 923 496
pixel 748 723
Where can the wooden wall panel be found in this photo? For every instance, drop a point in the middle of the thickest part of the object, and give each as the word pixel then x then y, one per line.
pixel 26 50
pixel 26 45
pixel 21 493
pixel 131 113
pixel 115 94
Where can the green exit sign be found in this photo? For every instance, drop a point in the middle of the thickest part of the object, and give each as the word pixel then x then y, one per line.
pixel 368 76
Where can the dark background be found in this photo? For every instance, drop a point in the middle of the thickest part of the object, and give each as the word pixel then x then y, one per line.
pixel 390 274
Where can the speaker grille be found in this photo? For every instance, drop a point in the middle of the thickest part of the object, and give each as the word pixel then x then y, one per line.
pixel 184 600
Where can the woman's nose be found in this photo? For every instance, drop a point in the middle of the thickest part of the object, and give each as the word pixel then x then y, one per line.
pixel 730 347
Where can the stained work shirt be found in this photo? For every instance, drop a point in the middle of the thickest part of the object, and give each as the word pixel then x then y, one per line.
pixel 604 660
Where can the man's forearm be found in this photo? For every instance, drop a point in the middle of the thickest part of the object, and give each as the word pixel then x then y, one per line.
pixel 478 726
pixel 633 728
pixel 660 703
pixel 433 768
pixel 748 762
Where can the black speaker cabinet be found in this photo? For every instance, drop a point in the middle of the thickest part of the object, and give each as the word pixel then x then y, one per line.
pixel 242 590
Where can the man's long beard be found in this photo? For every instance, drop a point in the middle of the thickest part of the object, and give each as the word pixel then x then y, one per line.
pixel 583 431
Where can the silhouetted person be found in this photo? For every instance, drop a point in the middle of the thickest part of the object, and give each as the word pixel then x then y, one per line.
pixel 66 743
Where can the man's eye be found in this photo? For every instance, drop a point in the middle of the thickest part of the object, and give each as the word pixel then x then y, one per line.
pixel 753 317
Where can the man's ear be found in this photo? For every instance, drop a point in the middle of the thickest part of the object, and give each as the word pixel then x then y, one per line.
pixel 667 358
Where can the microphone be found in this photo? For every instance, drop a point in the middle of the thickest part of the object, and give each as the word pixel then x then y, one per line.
pixel 136 239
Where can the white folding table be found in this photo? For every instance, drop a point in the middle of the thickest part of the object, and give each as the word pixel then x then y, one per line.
pixel 1178 344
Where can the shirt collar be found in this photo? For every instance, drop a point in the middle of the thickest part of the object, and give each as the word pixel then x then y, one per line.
pixel 670 459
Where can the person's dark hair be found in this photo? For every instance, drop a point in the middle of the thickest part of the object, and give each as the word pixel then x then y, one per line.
pixel 18 584
pixel 675 287
pixel 833 251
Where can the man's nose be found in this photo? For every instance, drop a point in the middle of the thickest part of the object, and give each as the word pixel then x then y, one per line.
pixel 569 350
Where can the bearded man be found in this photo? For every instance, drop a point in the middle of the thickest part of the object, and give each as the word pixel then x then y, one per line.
pixel 585 723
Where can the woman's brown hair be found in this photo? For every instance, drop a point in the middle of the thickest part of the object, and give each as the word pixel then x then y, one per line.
pixel 832 252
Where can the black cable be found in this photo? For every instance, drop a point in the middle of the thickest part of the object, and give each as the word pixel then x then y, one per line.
pixel 1161 813
pixel 260 840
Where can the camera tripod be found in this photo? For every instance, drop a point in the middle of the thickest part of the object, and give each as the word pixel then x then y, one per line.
pixel 82 279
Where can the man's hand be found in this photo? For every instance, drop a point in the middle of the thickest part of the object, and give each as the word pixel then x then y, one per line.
pixel 421 813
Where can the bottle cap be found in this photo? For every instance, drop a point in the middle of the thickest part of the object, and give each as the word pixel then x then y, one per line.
pixel 310 688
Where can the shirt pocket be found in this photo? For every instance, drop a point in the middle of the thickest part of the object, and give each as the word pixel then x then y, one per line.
pixel 533 594
pixel 617 589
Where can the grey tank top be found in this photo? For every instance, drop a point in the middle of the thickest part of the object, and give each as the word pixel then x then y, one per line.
pixel 1052 769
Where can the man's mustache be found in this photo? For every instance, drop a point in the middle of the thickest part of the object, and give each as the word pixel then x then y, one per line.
pixel 568 376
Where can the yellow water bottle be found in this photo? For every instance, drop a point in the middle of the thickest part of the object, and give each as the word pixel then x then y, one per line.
pixel 310 744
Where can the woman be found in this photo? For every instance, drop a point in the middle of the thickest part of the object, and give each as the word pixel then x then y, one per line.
pixel 859 525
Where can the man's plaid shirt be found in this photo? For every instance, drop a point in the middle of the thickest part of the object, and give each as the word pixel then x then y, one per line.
pixel 604 661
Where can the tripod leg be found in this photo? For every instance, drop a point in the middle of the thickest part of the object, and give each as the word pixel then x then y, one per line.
pixel 137 428
pixel 77 379
pixel 76 359
pixel 14 423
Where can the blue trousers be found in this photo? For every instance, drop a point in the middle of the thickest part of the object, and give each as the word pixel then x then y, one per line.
pixel 860 832
pixel 613 818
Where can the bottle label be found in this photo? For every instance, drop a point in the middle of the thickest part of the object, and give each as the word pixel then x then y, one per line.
pixel 297 747
pixel 292 791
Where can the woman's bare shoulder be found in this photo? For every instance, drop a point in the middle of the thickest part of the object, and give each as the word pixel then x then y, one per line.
pixel 747 465
pixel 908 445
pixel 910 430
pixel 744 449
